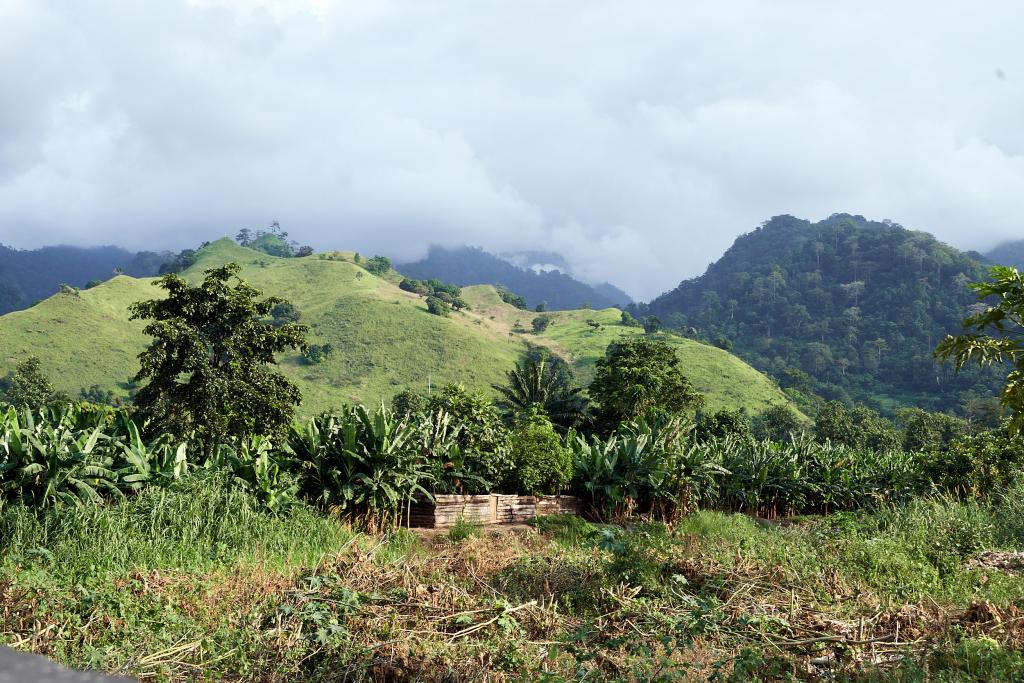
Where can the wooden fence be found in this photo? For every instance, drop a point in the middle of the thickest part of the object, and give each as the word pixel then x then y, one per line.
pixel 491 508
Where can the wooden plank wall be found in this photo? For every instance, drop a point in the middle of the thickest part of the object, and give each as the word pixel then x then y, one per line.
pixel 492 508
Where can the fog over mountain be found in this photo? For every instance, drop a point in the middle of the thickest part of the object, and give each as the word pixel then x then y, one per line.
pixel 636 139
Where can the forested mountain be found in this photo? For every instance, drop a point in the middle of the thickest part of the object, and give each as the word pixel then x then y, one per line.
pixel 473 266
pixel 1008 254
pixel 30 275
pixel 846 308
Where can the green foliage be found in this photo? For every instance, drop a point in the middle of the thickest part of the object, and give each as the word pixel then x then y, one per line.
pixel 645 467
pixel 480 434
pixel 978 465
pixel 923 431
pixel 651 324
pixel 284 313
pixel 209 366
pixel 182 261
pixel 638 377
pixel 78 455
pixel 544 381
pixel 449 294
pixel 361 464
pixel 723 423
pixel 512 299
pixel 994 336
pixel 540 323
pixel 378 265
pixel 315 354
pixel 777 423
pixel 408 402
pixel 857 305
pixel 438 306
pixel 542 463
pixel 463 530
pixel 628 320
pixel 27 386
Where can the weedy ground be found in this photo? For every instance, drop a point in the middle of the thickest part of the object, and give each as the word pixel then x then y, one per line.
pixel 195 583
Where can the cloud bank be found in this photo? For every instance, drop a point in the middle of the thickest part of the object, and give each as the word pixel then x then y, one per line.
pixel 636 138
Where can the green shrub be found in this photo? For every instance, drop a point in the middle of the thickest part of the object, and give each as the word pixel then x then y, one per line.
pixel 543 464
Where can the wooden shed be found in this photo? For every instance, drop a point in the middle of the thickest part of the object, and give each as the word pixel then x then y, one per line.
pixel 489 508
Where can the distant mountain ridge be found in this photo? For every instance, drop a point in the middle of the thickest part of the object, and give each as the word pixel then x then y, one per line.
pixel 847 308
pixel 30 275
pixel 467 266
pixel 1008 254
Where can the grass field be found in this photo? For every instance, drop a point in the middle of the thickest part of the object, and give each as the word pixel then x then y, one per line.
pixel 196 583
pixel 384 338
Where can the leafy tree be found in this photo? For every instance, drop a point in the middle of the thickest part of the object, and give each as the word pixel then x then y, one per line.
pixel 244 237
pixel 628 320
pixel 304 251
pixel 28 386
pixel 924 431
pixel 482 435
pixel 378 265
pixel 652 324
pixel 512 299
pixel 182 261
pixel 995 337
pixel 415 287
pixel 722 423
pixel 285 313
pixel 541 307
pixel 437 306
pixel 637 377
pixel 539 380
pixel 209 370
pixel 407 403
pixel 776 423
pixel 834 424
pixel 315 354
pixel 540 323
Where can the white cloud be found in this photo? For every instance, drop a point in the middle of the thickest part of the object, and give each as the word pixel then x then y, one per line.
pixel 638 139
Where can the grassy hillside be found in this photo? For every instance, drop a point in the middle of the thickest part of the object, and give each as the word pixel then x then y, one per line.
pixel 726 380
pixel 384 339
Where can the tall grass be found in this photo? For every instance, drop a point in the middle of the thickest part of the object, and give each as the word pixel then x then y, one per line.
pixel 197 522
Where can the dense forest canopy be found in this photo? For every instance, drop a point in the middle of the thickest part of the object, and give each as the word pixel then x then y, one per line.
pixel 846 308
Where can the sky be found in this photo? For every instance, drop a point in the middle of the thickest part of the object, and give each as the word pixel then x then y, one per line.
pixel 637 138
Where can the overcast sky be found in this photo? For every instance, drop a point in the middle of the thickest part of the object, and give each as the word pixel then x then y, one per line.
pixel 636 138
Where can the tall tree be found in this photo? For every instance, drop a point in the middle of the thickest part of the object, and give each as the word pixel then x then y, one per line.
pixel 28 386
pixel 210 367
pixel 637 377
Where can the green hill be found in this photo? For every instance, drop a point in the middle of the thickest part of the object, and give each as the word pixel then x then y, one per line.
pixel 848 308
pixel 384 338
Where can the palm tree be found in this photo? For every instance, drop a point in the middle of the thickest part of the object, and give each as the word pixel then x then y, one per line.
pixel 543 381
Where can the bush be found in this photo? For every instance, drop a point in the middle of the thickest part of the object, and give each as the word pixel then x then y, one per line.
pixel 316 353
pixel 977 465
pixel 512 299
pixel 378 265
pixel 541 323
pixel 543 464
pixel 438 307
